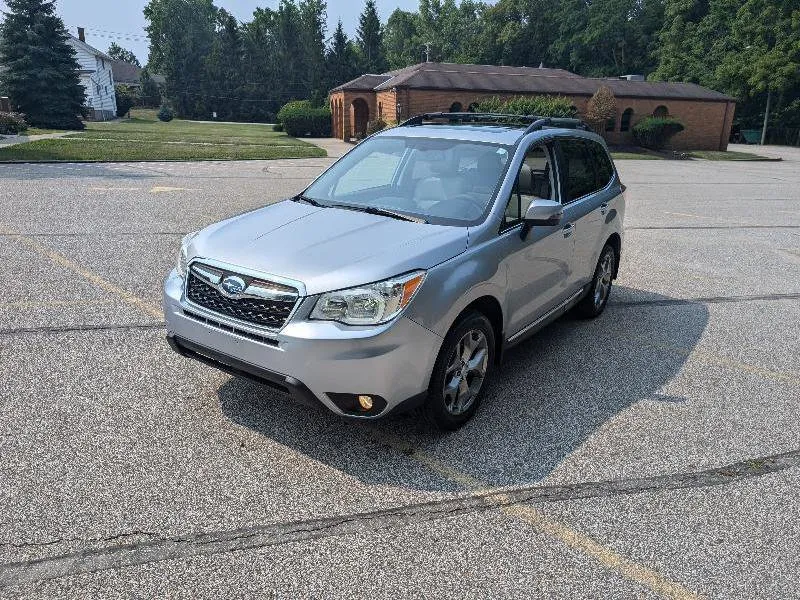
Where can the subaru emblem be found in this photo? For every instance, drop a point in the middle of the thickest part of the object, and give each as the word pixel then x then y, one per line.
pixel 233 285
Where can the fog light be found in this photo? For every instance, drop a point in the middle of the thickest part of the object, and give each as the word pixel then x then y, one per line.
pixel 365 402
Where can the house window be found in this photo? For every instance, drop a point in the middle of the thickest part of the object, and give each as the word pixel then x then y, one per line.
pixel 661 112
pixel 611 124
pixel 625 122
pixel 380 109
pixel 473 107
pixel 455 107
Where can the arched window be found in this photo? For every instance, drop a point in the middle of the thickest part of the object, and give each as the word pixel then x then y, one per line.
pixel 455 107
pixel 473 107
pixel 625 122
pixel 661 111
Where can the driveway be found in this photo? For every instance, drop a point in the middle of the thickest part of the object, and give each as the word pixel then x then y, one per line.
pixel 652 452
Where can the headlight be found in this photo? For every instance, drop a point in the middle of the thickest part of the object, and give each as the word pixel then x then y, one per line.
pixel 183 255
pixel 369 304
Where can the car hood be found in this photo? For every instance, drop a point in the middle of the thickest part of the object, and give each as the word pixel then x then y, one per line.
pixel 327 248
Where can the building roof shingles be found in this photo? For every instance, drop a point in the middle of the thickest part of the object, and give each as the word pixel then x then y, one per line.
pixel 522 80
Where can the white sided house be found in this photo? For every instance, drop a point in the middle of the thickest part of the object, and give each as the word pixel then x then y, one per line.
pixel 96 77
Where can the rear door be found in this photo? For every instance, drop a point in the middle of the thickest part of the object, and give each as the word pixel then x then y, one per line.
pixel 579 168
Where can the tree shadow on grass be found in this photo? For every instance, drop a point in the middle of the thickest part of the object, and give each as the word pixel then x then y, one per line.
pixel 552 392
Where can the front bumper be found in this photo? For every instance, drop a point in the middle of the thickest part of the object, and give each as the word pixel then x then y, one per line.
pixel 317 362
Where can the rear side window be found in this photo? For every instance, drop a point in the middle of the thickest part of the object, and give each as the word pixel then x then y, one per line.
pixel 578 170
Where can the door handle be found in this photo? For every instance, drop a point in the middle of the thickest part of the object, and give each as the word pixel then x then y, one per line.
pixel 603 208
pixel 568 229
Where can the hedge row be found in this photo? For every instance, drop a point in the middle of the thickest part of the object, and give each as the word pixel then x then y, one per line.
pixel 541 106
pixel 655 132
pixel 301 118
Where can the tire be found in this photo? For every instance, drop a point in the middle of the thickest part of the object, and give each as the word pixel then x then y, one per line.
pixel 459 376
pixel 595 301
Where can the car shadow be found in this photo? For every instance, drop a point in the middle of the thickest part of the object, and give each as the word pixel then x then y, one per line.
pixel 551 394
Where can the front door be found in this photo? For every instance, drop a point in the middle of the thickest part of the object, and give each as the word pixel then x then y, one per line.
pixel 539 267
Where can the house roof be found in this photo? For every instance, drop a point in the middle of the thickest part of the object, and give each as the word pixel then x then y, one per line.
pixel 522 80
pixel 88 48
pixel 125 72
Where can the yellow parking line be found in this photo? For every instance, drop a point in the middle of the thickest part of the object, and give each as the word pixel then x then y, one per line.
pixel 53 303
pixel 606 556
pixel 100 282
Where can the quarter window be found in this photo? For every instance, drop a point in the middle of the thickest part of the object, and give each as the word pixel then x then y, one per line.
pixel 577 168
pixel 604 171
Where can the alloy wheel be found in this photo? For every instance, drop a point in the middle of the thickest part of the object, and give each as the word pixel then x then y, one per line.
pixel 466 371
pixel 602 285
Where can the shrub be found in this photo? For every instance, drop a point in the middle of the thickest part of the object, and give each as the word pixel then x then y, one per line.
pixel 165 113
pixel 542 106
pixel 655 132
pixel 602 108
pixel 277 127
pixel 125 99
pixel 12 123
pixel 375 126
pixel 301 118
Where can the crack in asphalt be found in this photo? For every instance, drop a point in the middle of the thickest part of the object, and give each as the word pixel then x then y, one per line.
pixel 615 304
pixel 706 300
pixel 679 227
pixel 78 328
pixel 176 548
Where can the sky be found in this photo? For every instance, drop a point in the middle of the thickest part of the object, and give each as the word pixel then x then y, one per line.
pixel 122 21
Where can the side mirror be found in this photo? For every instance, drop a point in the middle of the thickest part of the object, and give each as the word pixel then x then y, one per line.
pixel 542 212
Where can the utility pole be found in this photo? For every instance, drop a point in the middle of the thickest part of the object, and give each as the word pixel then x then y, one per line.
pixel 766 118
pixel 427 52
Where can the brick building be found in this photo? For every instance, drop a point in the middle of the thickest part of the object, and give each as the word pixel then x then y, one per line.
pixel 431 87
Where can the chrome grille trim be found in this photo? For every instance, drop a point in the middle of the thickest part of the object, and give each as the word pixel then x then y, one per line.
pixel 266 304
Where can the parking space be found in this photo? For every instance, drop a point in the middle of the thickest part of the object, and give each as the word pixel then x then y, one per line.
pixel 649 453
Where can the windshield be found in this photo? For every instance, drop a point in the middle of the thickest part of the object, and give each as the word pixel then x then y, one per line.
pixel 447 182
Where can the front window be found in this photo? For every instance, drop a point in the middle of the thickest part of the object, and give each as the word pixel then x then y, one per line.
pixel 448 182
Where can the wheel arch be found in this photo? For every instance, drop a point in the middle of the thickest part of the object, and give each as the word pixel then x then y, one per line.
pixel 490 307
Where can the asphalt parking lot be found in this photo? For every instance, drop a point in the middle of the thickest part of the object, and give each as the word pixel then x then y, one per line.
pixel 650 453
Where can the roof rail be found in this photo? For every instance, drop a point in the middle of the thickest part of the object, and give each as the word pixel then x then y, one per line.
pixel 535 122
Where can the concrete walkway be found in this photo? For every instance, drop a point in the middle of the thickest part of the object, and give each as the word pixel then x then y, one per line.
pixel 13 140
pixel 335 148
pixel 791 153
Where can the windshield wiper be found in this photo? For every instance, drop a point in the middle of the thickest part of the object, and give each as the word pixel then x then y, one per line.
pixel 302 198
pixel 384 212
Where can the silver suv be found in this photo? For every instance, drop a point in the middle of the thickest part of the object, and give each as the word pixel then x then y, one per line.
pixel 400 276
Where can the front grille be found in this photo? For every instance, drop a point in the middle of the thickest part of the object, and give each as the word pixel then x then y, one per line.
pixel 270 313
pixel 234 330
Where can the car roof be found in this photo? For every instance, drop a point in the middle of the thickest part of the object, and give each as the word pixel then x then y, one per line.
pixel 506 135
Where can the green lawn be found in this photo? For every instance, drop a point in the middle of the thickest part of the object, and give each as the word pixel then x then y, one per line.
pixel 728 155
pixel 634 156
pixel 144 137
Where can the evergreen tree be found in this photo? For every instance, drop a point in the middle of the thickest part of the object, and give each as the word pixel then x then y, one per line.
pixel 340 60
pixel 117 52
pixel 41 75
pixel 223 77
pixel 370 39
pixel 181 36
pixel 312 16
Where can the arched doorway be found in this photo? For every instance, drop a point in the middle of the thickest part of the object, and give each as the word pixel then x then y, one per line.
pixel 360 118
